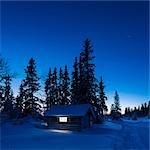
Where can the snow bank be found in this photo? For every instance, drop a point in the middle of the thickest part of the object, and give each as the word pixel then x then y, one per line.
pixel 145 120
pixel 26 136
pixel 109 135
pixel 108 125
pixel 139 120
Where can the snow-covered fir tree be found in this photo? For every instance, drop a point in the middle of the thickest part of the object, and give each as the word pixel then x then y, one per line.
pixel 126 111
pixel 8 96
pixel 116 108
pixel 112 109
pixel 80 80
pixel 142 110
pixel 145 109
pixel 20 99
pixel 6 77
pixel 4 72
pixel 4 69
pixel 31 84
pixel 102 98
pixel 87 78
pixel 2 98
pixel 66 88
pixel 55 88
pixel 75 83
pixel 117 102
pixel 60 86
pixel 48 90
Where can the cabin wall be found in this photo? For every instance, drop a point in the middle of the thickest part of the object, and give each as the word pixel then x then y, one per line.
pixel 85 121
pixel 72 122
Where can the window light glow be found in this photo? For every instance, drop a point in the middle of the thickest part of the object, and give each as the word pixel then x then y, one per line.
pixel 62 119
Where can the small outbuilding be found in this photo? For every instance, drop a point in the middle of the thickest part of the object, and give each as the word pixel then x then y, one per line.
pixel 70 116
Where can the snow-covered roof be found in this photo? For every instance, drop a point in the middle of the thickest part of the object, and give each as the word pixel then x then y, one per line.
pixel 69 110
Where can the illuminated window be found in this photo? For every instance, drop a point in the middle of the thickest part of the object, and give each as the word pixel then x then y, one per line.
pixel 62 119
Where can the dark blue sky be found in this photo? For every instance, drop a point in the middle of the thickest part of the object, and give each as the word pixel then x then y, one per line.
pixel 53 33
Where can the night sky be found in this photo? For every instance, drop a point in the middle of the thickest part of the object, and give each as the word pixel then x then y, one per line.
pixel 53 34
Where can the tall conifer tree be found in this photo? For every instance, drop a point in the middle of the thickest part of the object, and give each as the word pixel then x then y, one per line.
pixel 102 98
pixel 31 83
pixel 81 80
pixel 117 102
pixel 60 86
pixel 75 83
pixel 8 96
pixel 87 82
pixel 48 90
pixel 20 100
pixel 66 88
pixel 55 87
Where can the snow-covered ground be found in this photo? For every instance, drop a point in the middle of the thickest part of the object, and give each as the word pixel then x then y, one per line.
pixel 108 136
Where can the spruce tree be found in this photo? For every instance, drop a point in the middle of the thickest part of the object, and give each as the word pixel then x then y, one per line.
pixel 126 111
pixel 60 87
pixel 2 98
pixel 102 97
pixel 115 109
pixel 145 109
pixel 48 90
pixel 4 69
pixel 87 83
pixel 5 77
pixel 66 88
pixel 7 89
pixel 75 83
pixel 8 96
pixel 112 109
pixel 81 100
pixel 117 102
pixel 19 101
pixel 138 111
pixel 31 84
pixel 129 112
pixel 55 87
pixel 134 114
pixel 142 110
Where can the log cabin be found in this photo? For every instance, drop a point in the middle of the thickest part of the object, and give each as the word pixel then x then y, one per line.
pixel 70 116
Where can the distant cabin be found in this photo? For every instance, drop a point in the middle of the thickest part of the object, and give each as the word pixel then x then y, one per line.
pixel 70 116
